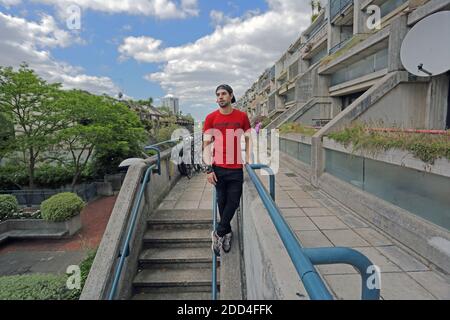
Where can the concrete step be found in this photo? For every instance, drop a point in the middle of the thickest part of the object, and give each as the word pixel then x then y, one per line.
pixel 182 215
pixel 178 237
pixel 176 258
pixel 175 296
pixel 168 225
pixel 165 280
pixel 167 219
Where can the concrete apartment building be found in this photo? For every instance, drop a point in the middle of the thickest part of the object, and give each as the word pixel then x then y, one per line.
pixel 338 72
pixel 172 103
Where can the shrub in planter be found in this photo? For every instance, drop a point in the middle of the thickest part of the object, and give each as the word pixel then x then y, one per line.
pixel 61 207
pixel 8 206
pixel 35 287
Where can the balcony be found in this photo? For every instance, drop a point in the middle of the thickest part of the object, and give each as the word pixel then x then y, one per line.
pixel 340 12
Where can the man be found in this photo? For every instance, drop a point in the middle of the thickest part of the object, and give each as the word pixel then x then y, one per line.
pixel 223 129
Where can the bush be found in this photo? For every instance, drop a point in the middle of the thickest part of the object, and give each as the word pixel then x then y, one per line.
pixel 35 287
pixel 61 207
pixel 13 176
pixel 49 176
pixel 8 206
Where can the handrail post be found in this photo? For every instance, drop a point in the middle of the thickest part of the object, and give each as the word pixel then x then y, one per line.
pixel 334 255
pixel 158 152
pixel 271 177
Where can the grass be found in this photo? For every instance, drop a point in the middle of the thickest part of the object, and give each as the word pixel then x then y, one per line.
pixel 292 127
pixel 426 147
pixel 43 286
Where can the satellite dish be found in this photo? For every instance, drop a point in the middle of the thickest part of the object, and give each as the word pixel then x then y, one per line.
pixel 425 52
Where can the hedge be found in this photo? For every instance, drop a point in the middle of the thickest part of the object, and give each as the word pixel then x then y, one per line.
pixel 61 207
pixel 8 206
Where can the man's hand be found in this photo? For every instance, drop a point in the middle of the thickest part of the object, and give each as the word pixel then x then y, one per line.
pixel 211 177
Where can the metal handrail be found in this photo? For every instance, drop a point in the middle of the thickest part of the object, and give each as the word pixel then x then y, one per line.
pixel 124 253
pixel 304 259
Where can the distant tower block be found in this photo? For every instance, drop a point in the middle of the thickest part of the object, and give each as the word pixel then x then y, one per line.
pixel 172 103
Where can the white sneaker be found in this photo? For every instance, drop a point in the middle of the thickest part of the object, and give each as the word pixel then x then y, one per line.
pixel 216 243
pixel 226 244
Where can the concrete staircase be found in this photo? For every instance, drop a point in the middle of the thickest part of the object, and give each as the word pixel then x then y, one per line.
pixel 176 258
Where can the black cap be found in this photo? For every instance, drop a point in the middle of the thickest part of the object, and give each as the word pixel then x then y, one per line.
pixel 228 89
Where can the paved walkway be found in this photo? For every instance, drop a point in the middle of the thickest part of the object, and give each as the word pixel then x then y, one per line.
pixel 321 221
pixel 54 256
pixel 318 220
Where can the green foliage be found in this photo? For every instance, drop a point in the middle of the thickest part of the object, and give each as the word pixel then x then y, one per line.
pixel 100 126
pixel 34 287
pixel 8 206
pixel 33 106
pixel 64 126
pixel 85 268
pixel 13 176
pixel 165 133
pixel 292 127
pixel 265 122
pixel 6 133
pixel 62 207
pixel 426 147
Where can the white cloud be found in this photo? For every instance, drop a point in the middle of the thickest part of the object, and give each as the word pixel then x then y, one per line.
pixel 163 9
pixel 10 3
pixel 237 52
pixel 28 41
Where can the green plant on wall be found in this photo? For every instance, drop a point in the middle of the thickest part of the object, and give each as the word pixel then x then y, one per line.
pixel 292 127
pixel 426 147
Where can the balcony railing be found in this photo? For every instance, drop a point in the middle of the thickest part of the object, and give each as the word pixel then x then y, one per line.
pixel 318 32
pixel 338 6
pixel 339 45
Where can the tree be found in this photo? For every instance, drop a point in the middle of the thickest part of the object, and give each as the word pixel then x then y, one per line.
pixel 165 110
pixel 96 125
pixel 148 102
pixel 316 7
pixel 33 106
pixel 6 133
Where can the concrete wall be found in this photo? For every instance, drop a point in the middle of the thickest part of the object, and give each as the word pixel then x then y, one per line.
pixel 404 106
pixel 269 271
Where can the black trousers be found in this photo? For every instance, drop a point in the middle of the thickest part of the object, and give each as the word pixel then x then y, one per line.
pixel 229 191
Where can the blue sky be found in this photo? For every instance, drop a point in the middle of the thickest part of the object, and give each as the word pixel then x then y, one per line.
pixel 185 47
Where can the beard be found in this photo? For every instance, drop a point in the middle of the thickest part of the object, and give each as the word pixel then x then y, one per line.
pixel 223 104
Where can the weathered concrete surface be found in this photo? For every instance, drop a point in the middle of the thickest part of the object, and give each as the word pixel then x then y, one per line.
pixel 230 267
pixel 269 271
pixel 38 229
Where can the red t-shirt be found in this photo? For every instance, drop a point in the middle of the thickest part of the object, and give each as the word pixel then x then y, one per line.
pixel 227 131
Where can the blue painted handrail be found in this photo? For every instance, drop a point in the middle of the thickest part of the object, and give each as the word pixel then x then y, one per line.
pixel 305 259
pixel 125 251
